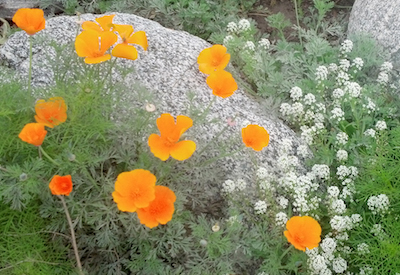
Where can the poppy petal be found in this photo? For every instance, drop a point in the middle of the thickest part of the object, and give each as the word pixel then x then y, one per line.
pixel 183 123
pixel 123 203
pixel 138 38
pixel 107 39
pixel 29 20
pixel 95 60
pixel 183 150
pixel 125 51
pixel 89 25
pixel 166 124
pixel 158 147
pixel 106 22
pixel 124 31
pixel 87 43
pixel 222 83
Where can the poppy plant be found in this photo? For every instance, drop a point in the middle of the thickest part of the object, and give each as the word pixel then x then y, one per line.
pixel 61 185
pixel 52 112
pixel 303 232
pixel 222 83
pixel 87 45
pixel 213 58
pixel 29 20
pixel 124 50
pixel 167 143
pixel 33 133
pixel 160 210
pixel 104 23
pixel 134 189
pixel 255 136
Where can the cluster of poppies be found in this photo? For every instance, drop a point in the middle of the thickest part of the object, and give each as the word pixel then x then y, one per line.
pixel 98 37
pixel 135 191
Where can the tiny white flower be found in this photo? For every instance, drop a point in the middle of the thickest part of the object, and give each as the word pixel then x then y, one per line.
pixel 381 125
pixel 337 114
pixel 332 67
pixel 344 65
pixel 321 73
pixel 353 89
pixel 333 191
pixel 370 133
pixel 243 25
pixel 342 155
pixel 339 265
pixel 264 43
pixel 283 202
pixel 363 248
pixel 318 263
pixel 378 204
pixel 232 27
pixel 338 93
pixel 241 185
pixel 309 99
pixel 338 206
pixel 386 67
pixel 296 93
pixel 281 219
pixel 227 39
pixel 358 63
pixel 342 138
pixel 260 207
pixel 328 245
pixel 249 45
pixel 346 47
pixel 228 186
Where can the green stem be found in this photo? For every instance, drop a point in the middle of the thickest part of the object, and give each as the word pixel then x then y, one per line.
pixel 3 169
pixel 47 156
pixel 297 21
pixel 285 252
pixel 73 238
pixel 30 65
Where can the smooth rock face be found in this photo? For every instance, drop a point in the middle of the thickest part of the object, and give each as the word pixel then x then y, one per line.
pixel 169 71
pixel 381 19
pixel 9 7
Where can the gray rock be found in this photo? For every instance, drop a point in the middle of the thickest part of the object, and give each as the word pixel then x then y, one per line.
pixel 9 7
pixel 169 71
pixel 381 20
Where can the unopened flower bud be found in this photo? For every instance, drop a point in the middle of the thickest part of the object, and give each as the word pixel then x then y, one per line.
pixel 23 177
pixel 215 227
pixel 71 157
pixel 203 243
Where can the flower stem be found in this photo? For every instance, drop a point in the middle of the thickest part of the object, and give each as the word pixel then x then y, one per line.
pixel 30 64
pixel 285 252
pixel 73 238
pixel 47 156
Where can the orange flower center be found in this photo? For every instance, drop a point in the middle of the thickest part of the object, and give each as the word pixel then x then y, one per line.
pixel 135 193
pixel 215 61
pixel 299 238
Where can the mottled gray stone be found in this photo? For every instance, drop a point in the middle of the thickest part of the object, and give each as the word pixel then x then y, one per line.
pixel 9 7
pixel 380 19
pixel 169 71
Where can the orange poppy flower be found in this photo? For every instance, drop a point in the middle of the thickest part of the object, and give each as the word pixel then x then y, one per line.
pixel 61 185
pixel 222 83
pixel 104 24
pixel 213 58
pixel 52 112
pixel 166 144
pixel 87 45
pixel 29 20
pixel 160 210
pixel 134 189
pixel 255 136
pixel 303 232
pixel 124 50
pixel 33 133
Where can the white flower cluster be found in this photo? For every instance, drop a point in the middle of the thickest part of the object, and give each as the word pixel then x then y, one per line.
pixel 243 25
pixel 342 78
pixel 337 114
pixel 337 93
pixel 344 65
pixel 308 133
pixel 282 202
pixel 363 248
pixel 296 93
pixel 294 111
pixel 309 99
pixel 264 43
pixel 380 125
pixel 339 265
pixel 367 270
pixel 333 191
pixel 260 207
pixel 343 172
pixel 287 163
pixel 378 204
pixel 227 39
pixel 346 47
pixel 232 27
pixel 353 89
pixel 321 74
pixel 370 133
pixel 285 146
pixel 342 138
pixel 386 67
pixel 241 184
pixel 378 231
pixel 345 223
pixel 337 206
pixel 358 63
pixel 383 76
pixel 228 186
pixel 249 45
pixel 281 219
pixel 332 67
pixel 342 155
pixel 370 106
pixel 321 171
pixel 233 219
pixel 303 151
pixel 319 263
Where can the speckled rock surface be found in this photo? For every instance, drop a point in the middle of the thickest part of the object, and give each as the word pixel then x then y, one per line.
pixel 381 20
pixel 9 7
pixel 169 70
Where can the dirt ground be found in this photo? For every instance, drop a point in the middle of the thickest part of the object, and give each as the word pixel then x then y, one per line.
pixel 341 11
